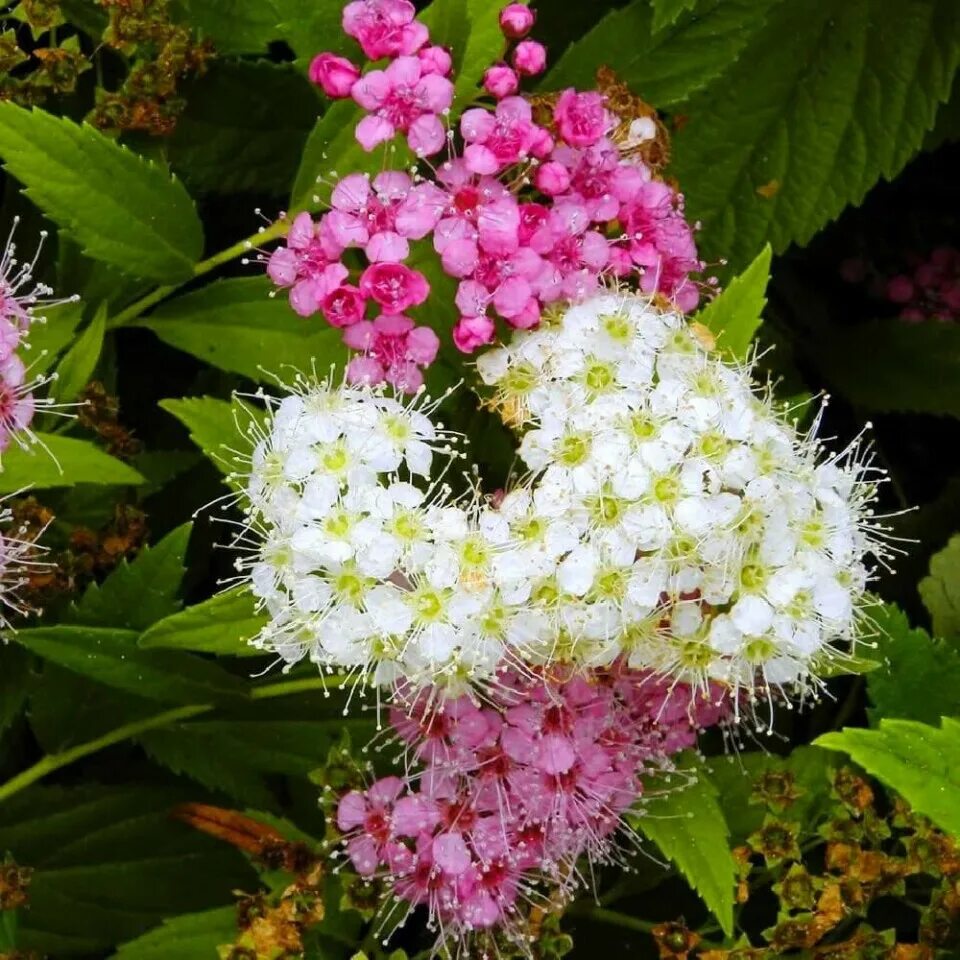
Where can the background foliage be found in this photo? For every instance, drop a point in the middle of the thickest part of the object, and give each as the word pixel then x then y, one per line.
pixel 145 135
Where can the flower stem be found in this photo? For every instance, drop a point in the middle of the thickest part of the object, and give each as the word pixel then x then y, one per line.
pixel 131 313
pixel 56 761
pixel 591 911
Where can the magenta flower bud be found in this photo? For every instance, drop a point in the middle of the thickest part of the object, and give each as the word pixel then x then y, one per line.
pixel 334 75
pixel 516 19
pixel 501 81
pixel 552 178
pixel 435 60
pixel 529 58
pixel 900 289
pixel 473 332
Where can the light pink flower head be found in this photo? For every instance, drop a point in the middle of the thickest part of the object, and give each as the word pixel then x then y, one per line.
pixel 394 349
pixel 516 20
pixel 497 140
pixel 529 58
pixel 403 99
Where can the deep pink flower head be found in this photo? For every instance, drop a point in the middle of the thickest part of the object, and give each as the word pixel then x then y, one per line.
pixel 581 118
pixel 435 60
pixel 344 306
pixel 516 20
pixel 394 286
pixel 334 75
pixel 501 81
pixel 384 28
pixel 498 140
pixel 552 178
pixel 529 58
pixel 394 351
pixel 403 99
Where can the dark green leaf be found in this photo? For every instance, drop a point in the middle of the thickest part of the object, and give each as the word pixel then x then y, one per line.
pixel 918 761
pixel 78 363
pixel 919 677
pixel 683 818
pixel 236 325
pixel 52 333
pixel 234 26
pixel 120 208
pixel 212 427
pixel 794 131
pixel 940 591
pixel 223 625
pixel 137 594
pixel 667 66
pixel 449 25
pixel 55 461
pixel 110 863
pixel 244 127
pixel 111 657
pixel 194 936
pixel 666 12
pixel 14 673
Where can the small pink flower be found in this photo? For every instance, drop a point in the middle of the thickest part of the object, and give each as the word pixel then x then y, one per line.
pixel 435 60
pixel 900 289
pixel 394 286
pixel 501 81
pixel 516 20
pixel 395 350
pixel 471 333
pixel 529 58
pixel 403 99
pixel 581 118
pixel 384 28
pixel 343 306
pixel 334 75
pixel 498 140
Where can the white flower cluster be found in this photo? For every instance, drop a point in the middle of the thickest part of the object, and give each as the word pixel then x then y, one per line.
pixel 669 516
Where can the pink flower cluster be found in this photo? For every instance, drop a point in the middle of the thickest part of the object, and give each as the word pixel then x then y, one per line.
pixel 512 794
pixel 522 216
pixel 928 290
pixel 18 295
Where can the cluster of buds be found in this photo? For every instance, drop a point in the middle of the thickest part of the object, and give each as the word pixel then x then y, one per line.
pixel 523 211
pixel 511 795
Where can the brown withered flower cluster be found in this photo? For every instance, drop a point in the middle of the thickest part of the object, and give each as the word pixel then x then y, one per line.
pixel 834 882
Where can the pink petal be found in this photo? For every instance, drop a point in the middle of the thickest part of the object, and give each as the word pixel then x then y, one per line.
pixel 392 324
pixel 365 370
pixel 435 93
pixel 351 811
pixel 372 89
pixel 422 345
pixel 385 790
pixel 373 130
pixel 359 336
pixel 476 124
pixel 392 184
pixel 481 160
pixel 387 247
pixel 498 225
pixel 364 855
pixel 303 298
pixel 450 853
pixel 512 296
pixel 405 376
pixel 344 229
pixel 282 268
pixel 351 193
pixel 301 232
pixel 459 258
pixel 472 298
pixel 404 72
pixel 426 135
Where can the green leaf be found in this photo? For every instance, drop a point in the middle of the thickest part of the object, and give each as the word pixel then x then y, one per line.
pixel 920 762
pixel 891 365
pixel 120 208
pixel 687 824
pixel 110 863
pixel 193 936
pixel 919 677
pixel 244 127
pixel 735 315
pixel 51 333
pixel 236 325
pixel 213 427
pixel 309 26
pixel 666 12
pixel 14 675
pixel 55 461
pixel 794 131
pixel 665 66
pixel 940 590
pixel 484 45
pixel 111 656
pixel 137 594
pixel 332 149
pixel 449 25
pixel 222 625
pixel 234 26
pixel 78 363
